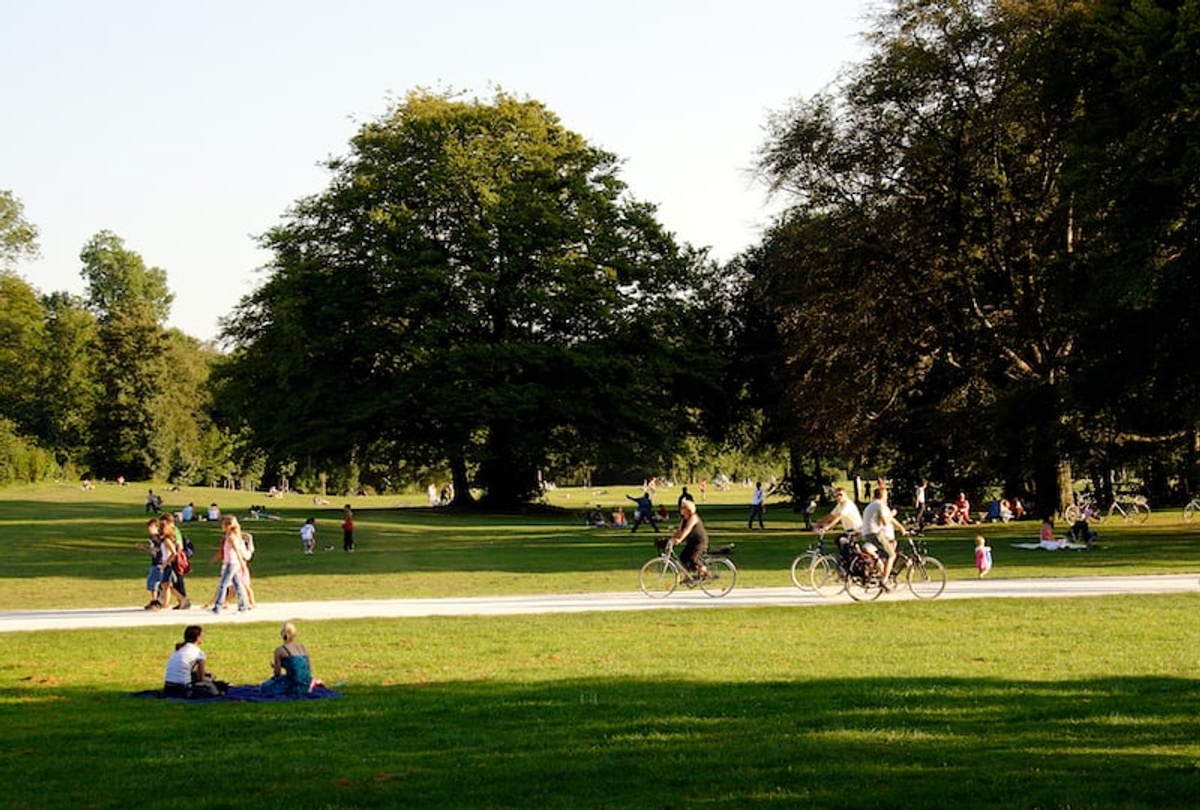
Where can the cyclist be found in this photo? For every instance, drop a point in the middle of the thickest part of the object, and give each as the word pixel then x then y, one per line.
pixel 845 510
pixel 879 525
pixel 694 536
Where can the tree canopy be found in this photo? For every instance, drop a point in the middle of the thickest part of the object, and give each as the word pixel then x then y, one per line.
pixel 960 239
pixel 475 288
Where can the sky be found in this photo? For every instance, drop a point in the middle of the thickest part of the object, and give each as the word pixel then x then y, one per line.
pixel 189 129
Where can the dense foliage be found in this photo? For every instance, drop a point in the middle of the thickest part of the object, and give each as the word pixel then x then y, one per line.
pixel 979 214
pixel 474 288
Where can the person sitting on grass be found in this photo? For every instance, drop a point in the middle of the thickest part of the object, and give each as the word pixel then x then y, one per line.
pixel 186 675
pixel 292 666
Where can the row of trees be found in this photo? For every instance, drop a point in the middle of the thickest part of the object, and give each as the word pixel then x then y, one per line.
pixel 95 385
pixel 985 274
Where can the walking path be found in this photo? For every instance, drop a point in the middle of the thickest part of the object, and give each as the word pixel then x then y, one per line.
pixel 11 621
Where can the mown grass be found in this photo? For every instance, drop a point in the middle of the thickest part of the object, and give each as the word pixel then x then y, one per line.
pixel 1089 702
pixel 62 547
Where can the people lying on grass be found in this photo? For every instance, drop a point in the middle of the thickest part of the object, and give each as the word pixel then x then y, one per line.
pixel 694 536
pixel 292 666
pixel 187 675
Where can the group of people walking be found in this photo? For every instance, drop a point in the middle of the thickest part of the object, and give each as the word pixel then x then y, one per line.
pixel 170 562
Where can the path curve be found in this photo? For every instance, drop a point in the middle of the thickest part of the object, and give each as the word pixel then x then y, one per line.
pixel 27 620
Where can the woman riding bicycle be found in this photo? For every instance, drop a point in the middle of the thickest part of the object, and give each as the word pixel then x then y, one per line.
pixel 694 536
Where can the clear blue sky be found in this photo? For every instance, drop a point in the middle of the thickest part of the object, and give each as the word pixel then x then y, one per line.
pixel 189 128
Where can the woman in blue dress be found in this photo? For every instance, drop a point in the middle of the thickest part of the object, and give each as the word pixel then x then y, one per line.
pixel 293 668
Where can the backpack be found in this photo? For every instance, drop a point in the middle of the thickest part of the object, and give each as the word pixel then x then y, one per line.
pixel 183 562
pixel 248 545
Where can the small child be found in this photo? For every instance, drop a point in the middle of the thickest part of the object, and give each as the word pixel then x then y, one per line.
pixel 983 556
pixel 308 535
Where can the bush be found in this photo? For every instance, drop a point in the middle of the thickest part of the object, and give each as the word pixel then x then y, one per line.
pixel 22 461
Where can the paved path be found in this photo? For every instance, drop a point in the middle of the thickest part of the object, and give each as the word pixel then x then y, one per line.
pixel 11 621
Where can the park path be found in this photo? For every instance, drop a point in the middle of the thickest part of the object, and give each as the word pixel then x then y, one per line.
pixel 26 620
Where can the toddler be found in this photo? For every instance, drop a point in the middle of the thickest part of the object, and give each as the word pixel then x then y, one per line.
pixel 983 556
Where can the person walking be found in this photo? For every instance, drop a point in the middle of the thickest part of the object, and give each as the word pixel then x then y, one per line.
pixel 757 502
pixel 230 556
pixel 643 512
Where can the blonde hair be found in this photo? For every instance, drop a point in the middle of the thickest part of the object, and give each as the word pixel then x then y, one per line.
pixel 979 541
pixel 288 632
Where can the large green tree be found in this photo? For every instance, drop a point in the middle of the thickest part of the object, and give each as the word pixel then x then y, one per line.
pixel 475 288
pixel 129 300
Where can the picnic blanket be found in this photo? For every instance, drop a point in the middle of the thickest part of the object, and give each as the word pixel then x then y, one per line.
pixel 245 694
pixel 1039 546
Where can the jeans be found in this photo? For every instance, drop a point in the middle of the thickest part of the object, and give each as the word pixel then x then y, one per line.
pixel 230 572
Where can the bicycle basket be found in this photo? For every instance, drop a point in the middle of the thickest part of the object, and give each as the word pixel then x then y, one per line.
pixel 660 543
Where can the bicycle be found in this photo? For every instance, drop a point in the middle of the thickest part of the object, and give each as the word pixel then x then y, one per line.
pixel 661 575
pixel 1138 509
pixel 852 569
pixel 1085 509
pixel 802 565
pixel 1191 509
pixel 924 575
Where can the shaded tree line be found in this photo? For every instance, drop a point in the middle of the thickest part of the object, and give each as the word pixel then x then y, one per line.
pixel 987 268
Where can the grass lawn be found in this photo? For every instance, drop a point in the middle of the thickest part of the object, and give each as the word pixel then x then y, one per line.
pixel 1079 703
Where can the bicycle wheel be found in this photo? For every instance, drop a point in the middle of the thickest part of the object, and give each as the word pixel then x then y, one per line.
pixel 863 586
pixel 658 578
pixel 826 576
pixel 926 577
pixel 1072 513
pixel 1139 512
pixel 801 570
pixel 722 576
pixel 1189 512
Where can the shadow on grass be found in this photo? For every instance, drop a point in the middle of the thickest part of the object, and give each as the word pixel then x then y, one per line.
pixel 852 742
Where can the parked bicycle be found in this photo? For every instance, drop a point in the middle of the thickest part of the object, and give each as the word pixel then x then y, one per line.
pixel 1134 508
pixel 1084 508
pixel 1191 509
pixel 661 575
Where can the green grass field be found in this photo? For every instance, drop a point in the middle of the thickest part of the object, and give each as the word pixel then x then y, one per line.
pixel 1089 702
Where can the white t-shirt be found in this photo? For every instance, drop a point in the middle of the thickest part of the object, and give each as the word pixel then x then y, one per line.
pixel 181 663
pixel 848 513
pixel 307 532
pixel 876 517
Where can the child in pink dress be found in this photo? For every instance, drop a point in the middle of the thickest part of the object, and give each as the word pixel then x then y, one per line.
pixel 983 556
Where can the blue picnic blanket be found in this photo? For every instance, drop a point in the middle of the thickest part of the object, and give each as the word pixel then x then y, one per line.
pixel 245 694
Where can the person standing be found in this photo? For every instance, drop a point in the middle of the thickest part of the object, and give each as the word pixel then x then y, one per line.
pixel 347 529
pixel 308 535
pixel 919 501
pixel 756 506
